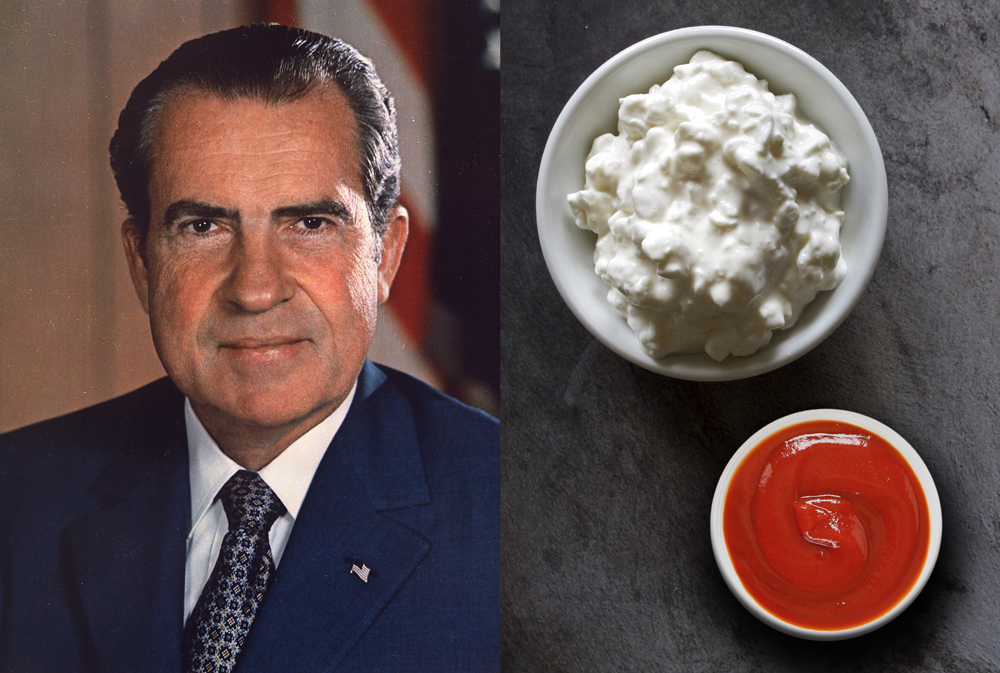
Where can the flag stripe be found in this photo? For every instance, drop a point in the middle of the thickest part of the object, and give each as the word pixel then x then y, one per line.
pixel 412 25
pixel 280 11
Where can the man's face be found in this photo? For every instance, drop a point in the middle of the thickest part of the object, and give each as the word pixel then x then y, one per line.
pixel 262 272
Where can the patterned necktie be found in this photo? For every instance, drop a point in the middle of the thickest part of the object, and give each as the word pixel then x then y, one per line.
pixel 220 621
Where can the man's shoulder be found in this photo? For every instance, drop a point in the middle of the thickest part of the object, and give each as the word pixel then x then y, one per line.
pixel 49 470
pixel 430 404
pixel 453 439
pixel 98 431
pixel 136 408
pixel 443 424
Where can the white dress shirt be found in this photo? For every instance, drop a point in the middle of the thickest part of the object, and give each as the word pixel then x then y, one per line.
pixel 288 475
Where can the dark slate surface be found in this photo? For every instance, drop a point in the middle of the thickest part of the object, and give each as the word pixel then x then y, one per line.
pixel 609 470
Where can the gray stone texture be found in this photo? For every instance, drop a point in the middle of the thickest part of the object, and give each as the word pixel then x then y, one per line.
pixel 609 470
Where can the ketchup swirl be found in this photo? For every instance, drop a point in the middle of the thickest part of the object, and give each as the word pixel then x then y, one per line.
pixel 826 524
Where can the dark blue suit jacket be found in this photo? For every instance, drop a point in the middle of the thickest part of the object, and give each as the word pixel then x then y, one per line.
pixel 94 512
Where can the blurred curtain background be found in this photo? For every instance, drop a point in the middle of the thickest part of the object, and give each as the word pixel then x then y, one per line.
pixel 71 330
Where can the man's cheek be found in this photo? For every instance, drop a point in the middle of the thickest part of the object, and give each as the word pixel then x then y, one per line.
pixel 175 313
pixel 362 287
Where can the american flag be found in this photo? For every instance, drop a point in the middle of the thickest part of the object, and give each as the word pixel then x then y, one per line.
pixel 440 59
pixel 361 572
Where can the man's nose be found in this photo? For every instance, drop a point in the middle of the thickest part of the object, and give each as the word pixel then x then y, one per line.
pixel 258 279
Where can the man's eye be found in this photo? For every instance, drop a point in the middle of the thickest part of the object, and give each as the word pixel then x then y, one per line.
pixel 313 223
pixel 201 226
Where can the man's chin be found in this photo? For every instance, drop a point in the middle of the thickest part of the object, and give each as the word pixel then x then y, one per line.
pixel 263 410
pixel 278 412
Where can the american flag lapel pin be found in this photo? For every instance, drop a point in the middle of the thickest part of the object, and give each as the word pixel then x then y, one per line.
pixel 360 569
pixel 361 572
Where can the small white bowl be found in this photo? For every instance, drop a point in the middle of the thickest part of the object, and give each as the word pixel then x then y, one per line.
pixel 593 110
pixel 721 551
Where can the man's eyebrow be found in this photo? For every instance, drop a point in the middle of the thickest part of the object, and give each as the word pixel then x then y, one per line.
pixel 188 208
pixel 314 208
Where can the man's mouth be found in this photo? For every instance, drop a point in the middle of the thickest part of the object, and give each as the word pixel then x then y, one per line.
pixel 262 349
pixel 258 343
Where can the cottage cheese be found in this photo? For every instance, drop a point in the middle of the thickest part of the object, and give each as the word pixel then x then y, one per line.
pixel 716 209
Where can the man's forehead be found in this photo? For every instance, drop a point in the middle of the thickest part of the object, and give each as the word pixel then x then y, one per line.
pixel 202 138
pixel 190 109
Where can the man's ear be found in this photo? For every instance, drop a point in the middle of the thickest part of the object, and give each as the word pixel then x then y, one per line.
pixel 133 241
pixel 393 242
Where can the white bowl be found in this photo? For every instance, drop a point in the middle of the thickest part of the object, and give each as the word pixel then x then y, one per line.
pixel 721 551
pixel 593 110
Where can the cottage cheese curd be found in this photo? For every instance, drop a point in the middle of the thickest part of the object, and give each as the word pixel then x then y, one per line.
pixel 716 209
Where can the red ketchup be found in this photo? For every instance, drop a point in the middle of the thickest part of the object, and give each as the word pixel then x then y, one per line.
pixel 826 525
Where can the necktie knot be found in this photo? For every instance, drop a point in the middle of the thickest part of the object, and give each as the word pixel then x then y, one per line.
pixel 249 502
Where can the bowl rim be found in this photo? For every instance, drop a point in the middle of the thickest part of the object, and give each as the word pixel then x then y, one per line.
pixel 699 367
pixel 725 563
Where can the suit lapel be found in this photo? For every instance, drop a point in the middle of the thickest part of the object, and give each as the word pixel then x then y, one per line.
pixel 127 558
pixel 316 609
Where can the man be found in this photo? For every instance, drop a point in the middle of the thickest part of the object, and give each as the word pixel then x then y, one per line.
pixel 278 502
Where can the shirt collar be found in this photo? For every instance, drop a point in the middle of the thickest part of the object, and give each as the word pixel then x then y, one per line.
pixel 289 474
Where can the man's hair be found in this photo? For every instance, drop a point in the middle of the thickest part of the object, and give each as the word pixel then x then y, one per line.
pixel 273 64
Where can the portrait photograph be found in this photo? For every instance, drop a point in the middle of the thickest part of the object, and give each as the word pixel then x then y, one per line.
pixel 250 382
